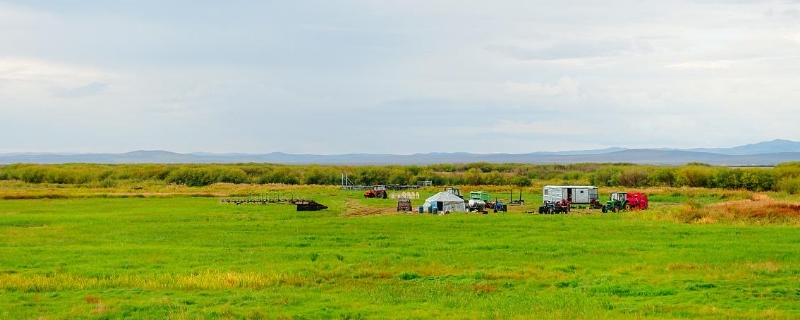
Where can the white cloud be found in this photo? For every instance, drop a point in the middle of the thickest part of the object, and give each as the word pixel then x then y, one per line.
pixel 33 70
pixel 562 126
pixel 220 77
pixel 30 86
pixel 564 86
pixel 793 37
pixel 723 64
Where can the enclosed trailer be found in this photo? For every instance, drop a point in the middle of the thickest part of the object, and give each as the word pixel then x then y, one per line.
pixel 573 194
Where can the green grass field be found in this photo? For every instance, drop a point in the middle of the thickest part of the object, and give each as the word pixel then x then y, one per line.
pixel 101 256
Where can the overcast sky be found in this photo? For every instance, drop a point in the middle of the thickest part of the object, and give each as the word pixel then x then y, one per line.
pixel 332 77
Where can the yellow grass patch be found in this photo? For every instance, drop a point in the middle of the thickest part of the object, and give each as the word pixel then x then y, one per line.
pixel 759 208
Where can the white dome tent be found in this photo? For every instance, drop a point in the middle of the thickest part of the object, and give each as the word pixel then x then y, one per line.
pixel 446 202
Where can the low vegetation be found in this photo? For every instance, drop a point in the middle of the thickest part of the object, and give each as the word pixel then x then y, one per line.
pixel 784 177
pixel 151 249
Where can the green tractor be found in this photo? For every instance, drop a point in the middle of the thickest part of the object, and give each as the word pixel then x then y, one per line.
pixel 618 202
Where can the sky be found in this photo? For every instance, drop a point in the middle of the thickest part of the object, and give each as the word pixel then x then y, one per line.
pixel 398 77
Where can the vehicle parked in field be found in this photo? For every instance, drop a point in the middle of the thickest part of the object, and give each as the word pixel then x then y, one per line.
pixel 404 204
pixel 549 207
pixel 478 201
pixel 377 191
pixel 499 206
pixel 619 201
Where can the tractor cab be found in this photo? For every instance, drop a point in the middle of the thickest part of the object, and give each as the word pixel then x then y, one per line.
pixel 619 196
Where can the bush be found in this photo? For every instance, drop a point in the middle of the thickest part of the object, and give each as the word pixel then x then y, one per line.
pixel 231 175
pixel 192 177
pixel 693 176
pixel 789 185
pixel 521 181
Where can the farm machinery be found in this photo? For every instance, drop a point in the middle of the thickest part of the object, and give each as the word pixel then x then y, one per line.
pixel 404 204
pixel 377 191
pixel 309 205
pixel 626 201
pixel 551 207
pixel 301 203
pixel 517 202
pixel 479 202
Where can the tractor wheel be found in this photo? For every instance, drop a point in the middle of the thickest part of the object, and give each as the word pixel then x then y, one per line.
pixel 614 208
pixel 605 210
pixel 627 207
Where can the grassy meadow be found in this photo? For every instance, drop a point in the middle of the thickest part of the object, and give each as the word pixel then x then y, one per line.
pixel 162 251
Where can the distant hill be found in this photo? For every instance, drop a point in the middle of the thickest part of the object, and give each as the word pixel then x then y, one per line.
pixel 766 153
pixel 774 146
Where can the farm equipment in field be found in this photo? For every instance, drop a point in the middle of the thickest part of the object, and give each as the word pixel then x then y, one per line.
pixel 517 202
pixel 377 191
pixel 617 202
pixel 551 207
pixel 637 200
pixel 626 201
pixel 478 201
pixel 499 206
pixel 404 204
pixel 309 205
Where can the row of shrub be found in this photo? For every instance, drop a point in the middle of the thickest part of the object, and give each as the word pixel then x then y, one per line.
pixel 783 177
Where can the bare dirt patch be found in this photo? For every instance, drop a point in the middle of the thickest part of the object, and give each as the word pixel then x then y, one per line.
pixel 356 209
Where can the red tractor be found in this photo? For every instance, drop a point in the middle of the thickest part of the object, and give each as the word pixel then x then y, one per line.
pixel 378 191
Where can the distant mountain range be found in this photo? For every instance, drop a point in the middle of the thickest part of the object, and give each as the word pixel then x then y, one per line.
pixel 766 153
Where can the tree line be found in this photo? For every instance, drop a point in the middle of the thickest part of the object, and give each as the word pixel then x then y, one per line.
pixel 783 177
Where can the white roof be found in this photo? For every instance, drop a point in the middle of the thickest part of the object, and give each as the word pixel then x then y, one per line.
pixel 573 187
pixel 444 197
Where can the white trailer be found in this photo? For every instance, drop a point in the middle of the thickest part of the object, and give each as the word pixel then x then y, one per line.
pixel 573 194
